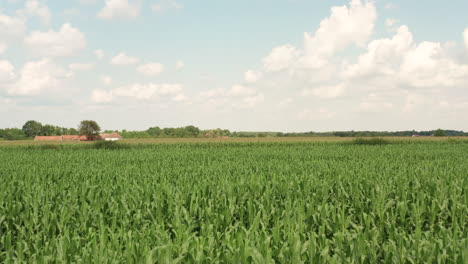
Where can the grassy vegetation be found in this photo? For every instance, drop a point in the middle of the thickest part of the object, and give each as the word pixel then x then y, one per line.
pixel 370 141
pixel 251 202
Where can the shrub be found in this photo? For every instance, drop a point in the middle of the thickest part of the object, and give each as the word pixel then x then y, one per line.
pixel 109 145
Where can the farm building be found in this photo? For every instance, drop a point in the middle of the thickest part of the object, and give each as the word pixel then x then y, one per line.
pixel 48 138
pixel 70 137
pixel 111 137
pixel 108 137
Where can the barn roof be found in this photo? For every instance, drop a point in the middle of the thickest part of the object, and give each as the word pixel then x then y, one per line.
pixel 71 137
pixel 48 138
pixel 111 135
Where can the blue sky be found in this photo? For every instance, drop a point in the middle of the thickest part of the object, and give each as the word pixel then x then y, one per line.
pixel 283 65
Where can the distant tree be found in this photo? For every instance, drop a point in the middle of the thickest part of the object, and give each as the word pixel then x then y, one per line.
pixel 48 130
pixel 169 131
pixel 192 131
pixel 154 131
pixel 12 134
pixel 439 133
pixel 89 128
pixel 32 128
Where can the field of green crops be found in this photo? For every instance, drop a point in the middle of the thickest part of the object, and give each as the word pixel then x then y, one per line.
pixel 322 202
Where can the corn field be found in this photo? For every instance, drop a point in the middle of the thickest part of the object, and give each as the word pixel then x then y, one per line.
pixel 322 202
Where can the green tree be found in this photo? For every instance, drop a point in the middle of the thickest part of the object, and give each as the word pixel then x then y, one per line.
pixel 48 130
pixel 192 131
pixel 32 128
pixel 154 131
pixel 439 133
pixel 90 129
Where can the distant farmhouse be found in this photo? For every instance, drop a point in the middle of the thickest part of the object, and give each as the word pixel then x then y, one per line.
pixel 107 137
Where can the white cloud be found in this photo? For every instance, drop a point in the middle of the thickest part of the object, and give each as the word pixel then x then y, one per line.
pixel 280 58
pixel 142 92
pixel 374 103
pixel 240 90
pixel 101 96
pixel 66 42
pixel 7 71
pixel 252 76
pixel 238 96
pixel 402 62
pixel 11 26
pixel 38 76
pixel 81 66
pixel 123 59
pixel 249 101
pixel 465 38
pixel 38 9
pixel 316 114
pixel 99 54
pixel 148 91
pixel 3 48
pixel 426 65
pixel 382 56
pixel 179 65
pixel 164 5
pixel 332 91
pixel 151 69
pixel 347 25
pixel 375 107
pixel 119 9
pixel 106 80
pixel 392 76
pixel 180 98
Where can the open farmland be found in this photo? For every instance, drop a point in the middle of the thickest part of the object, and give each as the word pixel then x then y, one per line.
pixel 237 202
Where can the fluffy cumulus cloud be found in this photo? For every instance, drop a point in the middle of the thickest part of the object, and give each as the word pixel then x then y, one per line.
pixel 238 96
pixel 68 41
pixel 465 38
pixel 353 24
pixel 37 9
pixel 139 92
pixel 11 26
pixel 403 62
pixel 281 58
pixel 38 76
pixel 81 66
pixel 151 69
pixel 388 74
pixel 332 91
pixel 101 96
pixel 7 71
pixel 251 76
pixel 119 9
pixel 346 26
pixel 123 59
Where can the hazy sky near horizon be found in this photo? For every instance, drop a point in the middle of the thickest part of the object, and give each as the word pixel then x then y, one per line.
pixel 251 65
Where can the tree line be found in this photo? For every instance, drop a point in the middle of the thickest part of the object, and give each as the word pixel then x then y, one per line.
pixel 90 128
